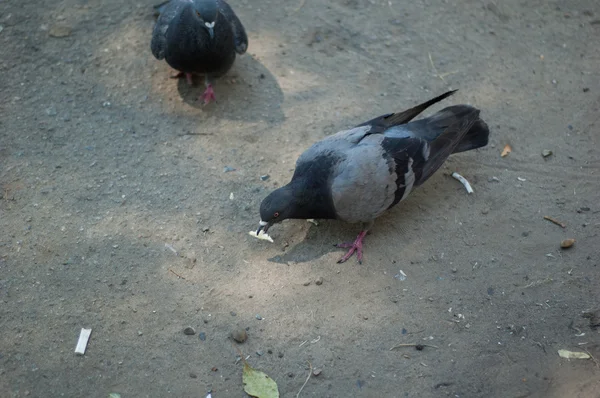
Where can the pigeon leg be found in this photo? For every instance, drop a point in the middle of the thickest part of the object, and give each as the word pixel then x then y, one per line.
pixel 355 246
pixel 209 93
pixel 188 77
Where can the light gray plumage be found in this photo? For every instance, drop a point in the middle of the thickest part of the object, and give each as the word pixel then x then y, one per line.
pixel 357 174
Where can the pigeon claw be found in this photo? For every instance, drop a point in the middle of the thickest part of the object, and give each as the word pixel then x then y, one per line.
pixel 355 247
pixel 209 94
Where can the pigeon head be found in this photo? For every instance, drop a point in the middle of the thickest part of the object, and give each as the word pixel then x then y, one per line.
pixel 278 206
pixel 206 11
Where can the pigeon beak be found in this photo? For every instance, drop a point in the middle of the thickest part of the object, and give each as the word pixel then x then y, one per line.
pixel 210 27
pixel 262 226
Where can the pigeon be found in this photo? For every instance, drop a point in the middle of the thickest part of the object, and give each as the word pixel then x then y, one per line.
pixel 356 175
pixel 198 37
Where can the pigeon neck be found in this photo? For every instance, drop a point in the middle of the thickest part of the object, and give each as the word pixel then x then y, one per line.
pixel 312 199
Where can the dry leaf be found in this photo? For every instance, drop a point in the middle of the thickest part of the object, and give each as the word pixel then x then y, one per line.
pixel 507 149
pixel 573 354
pixel 257 384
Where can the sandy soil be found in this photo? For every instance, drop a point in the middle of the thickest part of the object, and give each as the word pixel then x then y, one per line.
pixel 108 167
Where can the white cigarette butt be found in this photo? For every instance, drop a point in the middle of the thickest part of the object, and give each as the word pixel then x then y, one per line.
pixel 84 336
pixel 463 181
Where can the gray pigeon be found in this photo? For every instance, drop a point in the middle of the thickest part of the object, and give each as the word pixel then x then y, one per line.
pixel 198 37
pixel 358 174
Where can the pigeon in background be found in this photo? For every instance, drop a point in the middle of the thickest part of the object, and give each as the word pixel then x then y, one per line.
pixel 356 175
pixel 198 37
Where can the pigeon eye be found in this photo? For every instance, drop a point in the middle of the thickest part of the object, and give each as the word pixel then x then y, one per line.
pixel 276 214
pixel 198 13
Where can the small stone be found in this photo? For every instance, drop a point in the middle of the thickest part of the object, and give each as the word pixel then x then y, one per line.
pixel 227 169
pixel 51 111
pixel 546 153
pixel 193 375
pixel 189 331
pixel 290 374
pixel 525 234
pixel 269 351
pixel 259 353
pixel 140 333
pixel 260 318
pixel 454 270
pixel 493 179
pixel 202 336
pixel 232 313
pixel 280 354
pixel 319 281
pixel 586 89
pixel 239 335
pixel 306 283
pixel 264 177
pixel 214 369
pixel 59 31
pixel 582 209
pixel 567 243
pixel 317 372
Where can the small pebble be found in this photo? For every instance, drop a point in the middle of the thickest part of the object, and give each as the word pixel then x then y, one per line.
pixel 189 331
pixel 259 353
pixel 260 318
pixel 202 336
pixel 280 354
pixel 582 209
pixel 493 179
pixel 239 335
pixel 290 374
pixel 586 89
pixel 306 283
pixel 317 372
pixel 140 333
pixel 269 351
pixel 454 270
pixel 264 177
pixel 233 313
pixel 546 153
pixel 319 281
pixel 227 169
pixel 59 31
pixel 193 375
pixel 565 244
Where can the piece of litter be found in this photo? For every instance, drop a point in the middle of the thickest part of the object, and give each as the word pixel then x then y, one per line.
pixel 401 276
pixel 573 354
pixel 84 336
pixel 463 181
pixel 231 197
pixel 114 395
pixel 261 235
pixel 552 220
pixel 209 395
pixel 521 179
pixel 312 221
pixel 507 149
pixel 170 247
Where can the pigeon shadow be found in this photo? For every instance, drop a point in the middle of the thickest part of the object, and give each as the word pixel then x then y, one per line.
pixel 248 92
pixel 319 241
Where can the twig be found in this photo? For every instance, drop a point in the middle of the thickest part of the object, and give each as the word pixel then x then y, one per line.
pixel 591 356
pixel 175 273
pixel 552 220
pixel 463 181
pixel 305 381
pixel 299 7
pixel 413 345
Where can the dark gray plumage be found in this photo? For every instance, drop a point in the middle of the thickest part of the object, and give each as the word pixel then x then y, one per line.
pixel 357 174
pixel 198 37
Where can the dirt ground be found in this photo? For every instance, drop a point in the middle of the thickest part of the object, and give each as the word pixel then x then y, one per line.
pixel 117 212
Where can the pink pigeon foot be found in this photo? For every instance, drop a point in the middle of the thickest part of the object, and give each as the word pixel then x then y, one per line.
pixel 209 94
pixel 355 246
